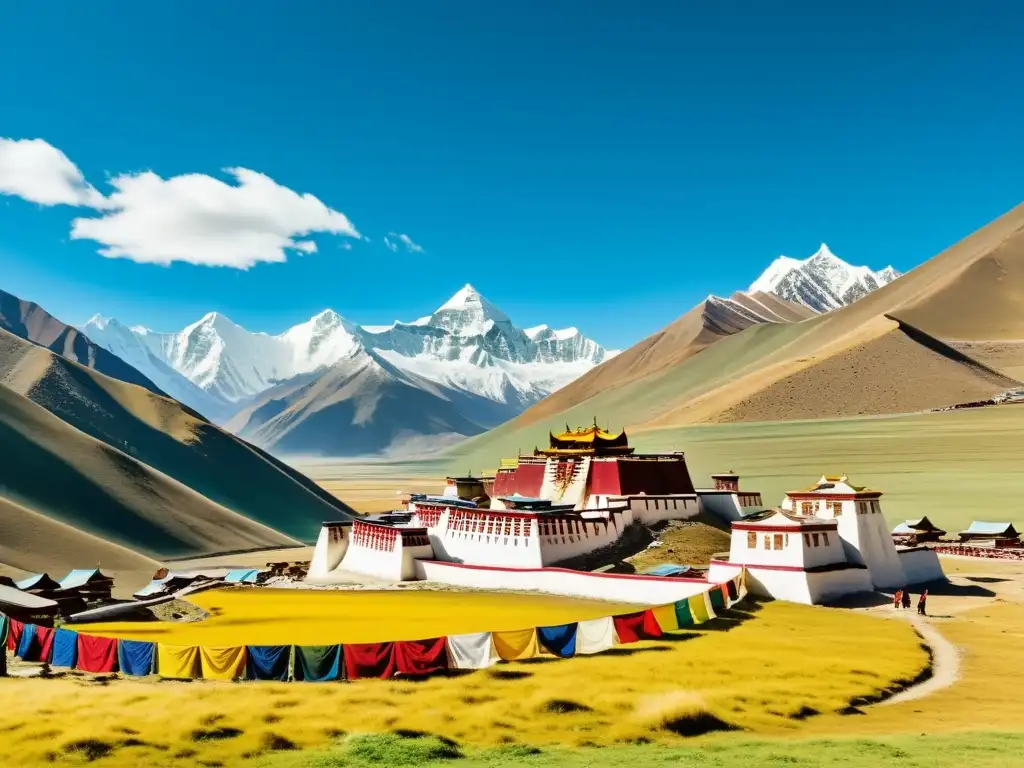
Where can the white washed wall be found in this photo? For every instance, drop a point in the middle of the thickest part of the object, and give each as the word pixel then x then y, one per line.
pixel 920 565
pixel 642 590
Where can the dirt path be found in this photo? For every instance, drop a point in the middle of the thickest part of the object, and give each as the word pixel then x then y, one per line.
pixel 945 663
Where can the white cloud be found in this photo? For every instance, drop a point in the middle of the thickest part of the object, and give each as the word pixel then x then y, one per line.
pixel 201 220
pixel 40 173
pixel 395 240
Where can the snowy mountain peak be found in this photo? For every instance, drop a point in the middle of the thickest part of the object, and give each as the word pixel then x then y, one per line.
pixel 97 321
pixel 822 282
pixel 467 313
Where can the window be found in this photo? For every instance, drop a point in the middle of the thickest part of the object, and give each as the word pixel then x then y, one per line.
pixel 807 539
pixel 824 539
pixel 751 540
pixel 778 541
pixel 767 542
pixel 837 508
pixel 786 539
pixel 807 508
pixel 815 537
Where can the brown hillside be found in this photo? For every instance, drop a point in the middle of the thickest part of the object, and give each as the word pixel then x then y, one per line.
pixel 890 374
pixel 52 470
pixel 35 543
pixel 702 326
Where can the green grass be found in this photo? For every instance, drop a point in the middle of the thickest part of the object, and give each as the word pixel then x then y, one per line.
pixel 977 750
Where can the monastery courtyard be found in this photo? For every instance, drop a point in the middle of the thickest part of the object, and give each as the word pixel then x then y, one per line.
pixel 759 673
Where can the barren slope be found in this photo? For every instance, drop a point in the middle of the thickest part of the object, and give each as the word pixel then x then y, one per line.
pixel 54 470
pixel 164 436
pixel 891 374
pixel 35 543
pixel 706 324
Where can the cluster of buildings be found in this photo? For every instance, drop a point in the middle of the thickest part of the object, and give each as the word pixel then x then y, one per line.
pixel 39 598
pixel 580 497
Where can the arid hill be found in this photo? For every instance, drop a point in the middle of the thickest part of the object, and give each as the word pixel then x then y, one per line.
pixel 709 322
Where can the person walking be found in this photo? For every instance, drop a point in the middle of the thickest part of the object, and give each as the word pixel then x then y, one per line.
pixel 896 598
pixel 921 603
pixel 906 598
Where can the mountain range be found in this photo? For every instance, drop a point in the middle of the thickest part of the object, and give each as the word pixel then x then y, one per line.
pixel 329 386
pixel 947 332
pixel 822 282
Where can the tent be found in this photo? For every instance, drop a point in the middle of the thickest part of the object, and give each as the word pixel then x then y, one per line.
pixel 982 530
pixel 82 577
pixel 25 606
pixel 921 529
pixel 667 569
pixel 40 582
pixel 242 576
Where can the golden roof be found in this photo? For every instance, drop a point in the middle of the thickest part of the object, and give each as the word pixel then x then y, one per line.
pixel 586 435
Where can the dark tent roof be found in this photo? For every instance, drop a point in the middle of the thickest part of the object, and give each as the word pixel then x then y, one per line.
pixel 37 581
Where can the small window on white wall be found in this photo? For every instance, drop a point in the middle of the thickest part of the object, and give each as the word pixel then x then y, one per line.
pixel 814 536
pixel 751 540
pixel 824 539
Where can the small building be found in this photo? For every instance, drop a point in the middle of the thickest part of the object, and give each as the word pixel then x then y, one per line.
pixel 914 532
pixel 87 583
pixel 827 541
pixel 38 583
pixel 990 534
pixel 792 557
pixel 726 501
pixel 26 607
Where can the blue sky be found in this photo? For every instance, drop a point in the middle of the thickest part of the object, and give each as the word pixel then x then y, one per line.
pixel 597 164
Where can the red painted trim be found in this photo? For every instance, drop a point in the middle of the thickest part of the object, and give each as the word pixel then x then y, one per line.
pixel 810 496
pixel 784 528
pixel 792 568
pixel 620 576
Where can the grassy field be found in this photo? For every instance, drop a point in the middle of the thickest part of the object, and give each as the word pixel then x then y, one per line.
pixel 766 670
pixel 978 750
pixel 302 617
pixel 954 466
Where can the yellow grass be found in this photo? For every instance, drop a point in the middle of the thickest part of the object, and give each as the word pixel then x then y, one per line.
pixel 246 616
pixel 761 670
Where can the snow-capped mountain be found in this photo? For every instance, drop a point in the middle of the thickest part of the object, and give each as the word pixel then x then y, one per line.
pixel 822 282
pixel 467 345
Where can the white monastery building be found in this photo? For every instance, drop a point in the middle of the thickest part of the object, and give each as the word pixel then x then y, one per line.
pixel 545 512
pixel 827 541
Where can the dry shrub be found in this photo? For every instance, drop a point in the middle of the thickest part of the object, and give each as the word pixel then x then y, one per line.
pixel 683 713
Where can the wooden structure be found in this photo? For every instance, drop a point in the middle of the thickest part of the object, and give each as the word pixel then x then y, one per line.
pixel 915 532
pixel 985 534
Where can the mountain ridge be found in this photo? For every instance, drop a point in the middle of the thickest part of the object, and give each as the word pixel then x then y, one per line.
pixel 822 282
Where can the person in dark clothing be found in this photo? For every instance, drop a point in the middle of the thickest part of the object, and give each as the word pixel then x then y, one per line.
pixel 921 603
pixel 906 598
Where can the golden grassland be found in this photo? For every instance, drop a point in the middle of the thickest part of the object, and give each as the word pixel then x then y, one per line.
pixel 260 616
pixel 768 667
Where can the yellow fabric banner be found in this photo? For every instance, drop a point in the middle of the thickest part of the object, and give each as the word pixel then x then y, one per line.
pixel 710 607
pixel 177 661
pixel 699 608
pixel 223 663
pixel 666 617
pixel 517 645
